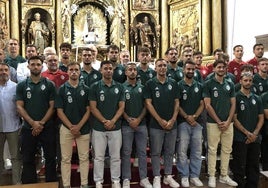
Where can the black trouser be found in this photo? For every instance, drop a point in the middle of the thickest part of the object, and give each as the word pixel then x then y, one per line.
pixel 29 143
pixel 264 151
pixel 245 164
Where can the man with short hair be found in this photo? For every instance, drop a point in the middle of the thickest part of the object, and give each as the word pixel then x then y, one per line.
pixel 13 58
pixel 65 51
pixel 12 70
pixel 248 121
pixel 258 50
pixel 134 128
pixel 119 70
pixel 75 126
pixel 174 71
pixel 219 98
pixel 260 79
pixel 124 57
pixel 95 63
pixel 107 104
pixel 144 71
pixel 235 65
pixel 162 101
pixel 89 75
pixel 35 103
pixel 190 128
pixel 9 123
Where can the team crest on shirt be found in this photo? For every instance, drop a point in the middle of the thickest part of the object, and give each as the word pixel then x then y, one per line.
pixel 82 92
pixel 242 107
pixel 102 97
pixel 62 77
pixel 184 97
pixel 235 72
pixel 116 90
pixel 95 76
pixel 140 90
pixel 120 72
pixel 157 94
pixel 43 87
pixel 253 101
pixel 181 75
pixel 150 75
pixel 196 89
pixel 70 99
pixel 215 93
pixel 169 87
pixel 228 87
pixel 260 88
pixel 29 95
pixel 127 95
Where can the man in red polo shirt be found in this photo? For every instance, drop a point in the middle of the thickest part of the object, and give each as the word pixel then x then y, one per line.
pixel 258 50
pixel 236 64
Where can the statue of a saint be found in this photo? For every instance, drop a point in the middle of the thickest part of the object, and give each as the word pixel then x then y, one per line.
pixel 146 34
pixel 38 33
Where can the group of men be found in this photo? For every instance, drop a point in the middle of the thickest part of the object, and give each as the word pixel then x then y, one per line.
pixel 113 103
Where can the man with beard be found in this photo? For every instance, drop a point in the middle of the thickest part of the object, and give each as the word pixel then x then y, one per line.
pixel 35 103
pixel 144 71
pixel 162 101
pixel 89 75
pixel 189 127
pixel 248 121
pixel 107 104
pixel 219 98
pixel 260 79
pixel 258 50
pixel 119 70
pixel 134 128
pixel 174 71
pixel 9 123
pixel 73 109
pixel 65 51
pixel 53 73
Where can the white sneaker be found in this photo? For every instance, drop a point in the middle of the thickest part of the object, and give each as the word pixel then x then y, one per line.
pixel 168 180
pixel 227 180
pixel 126 183
pixel 212 181
pixel 98 185
pixel 185 182
pixel 157 182
pixel 196 182
pixel 8 164
pixel 145 183
pixel 136 162
pixel 116 184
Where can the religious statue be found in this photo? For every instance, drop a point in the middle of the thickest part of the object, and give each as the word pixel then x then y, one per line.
pixel 145 34
pixel 38 33
pixel 90 36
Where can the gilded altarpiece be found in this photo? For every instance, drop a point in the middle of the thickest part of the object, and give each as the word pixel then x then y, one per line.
pixel 185 24
pixel 4 23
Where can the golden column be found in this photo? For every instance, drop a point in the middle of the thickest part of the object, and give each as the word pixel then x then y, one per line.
pixel 14 24
pixel 206 27
pixel 59 38
pixel 164 28
pixel 216 24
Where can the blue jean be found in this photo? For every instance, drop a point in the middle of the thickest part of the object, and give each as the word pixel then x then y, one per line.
pixel 128 135
pixel 189 137
pixel 158 139
pixel 99 141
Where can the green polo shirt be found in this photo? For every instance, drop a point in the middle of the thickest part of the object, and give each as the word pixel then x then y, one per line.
pixel 36 98
pixel 107 98
pixel 175 74
pixel 144 76
pixel 134 100
pixel 220 95
pixel 119 74
pixel 90 78
pixel 190 97
pixel 260 83
pixel 13 62
pixel 163 97
pixel 74 102
pixel 264 98
pixel 247 110
pixel 229 76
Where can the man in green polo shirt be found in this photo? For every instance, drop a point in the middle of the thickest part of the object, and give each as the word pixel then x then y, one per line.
pixel 260 79
pixel 73 109
pixel 219 98
pixel 189 127
pixel 248 121
pixel 89 75
pixel 134 128
pixel 35 103
pixel 162 101
pixel 107 104
pixel 119 70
